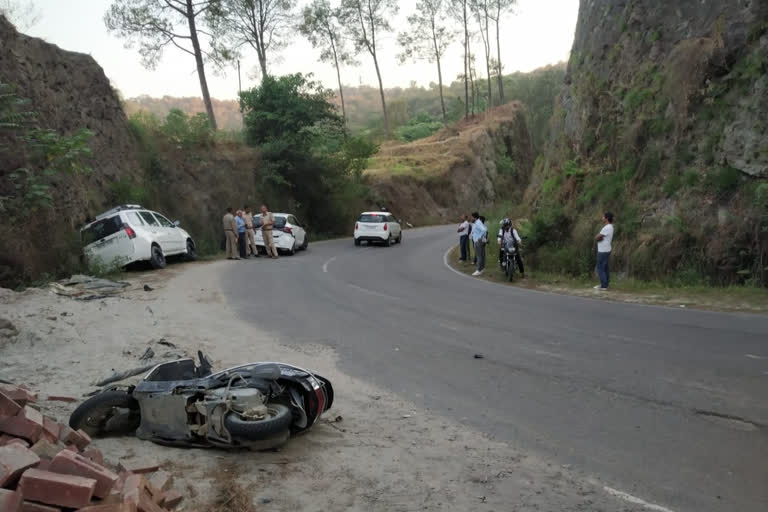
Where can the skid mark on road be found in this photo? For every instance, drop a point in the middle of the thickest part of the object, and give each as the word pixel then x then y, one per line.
pixel 753 356
pixel 635 500
pixel 325 265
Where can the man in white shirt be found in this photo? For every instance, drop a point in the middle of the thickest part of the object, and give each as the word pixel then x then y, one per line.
pixel 604 239
pixel 480 238
pixel 463 238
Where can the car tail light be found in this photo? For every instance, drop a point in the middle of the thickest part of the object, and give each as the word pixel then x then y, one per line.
pixel 288 230
pixel 129 231
pixel 385 226
pixel 356 226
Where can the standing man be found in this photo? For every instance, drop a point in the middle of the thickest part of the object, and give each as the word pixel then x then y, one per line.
pixel 267 223
pixel 250 242
pixel 241 233
pixel 463 238
pixel 604 239
pixel 479 232
pixel 230 231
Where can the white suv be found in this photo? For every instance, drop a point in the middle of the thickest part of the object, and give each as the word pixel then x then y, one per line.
pixel 129 233
pixel 378 227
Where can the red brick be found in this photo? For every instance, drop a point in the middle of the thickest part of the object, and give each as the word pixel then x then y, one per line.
pixel 95 455
pixel 19 441
pixel 44 465
pixel 28 506
pixel 56 489
pixel 27 424
pixel 14 460
pixel 161 480
pixel 78 438
pixel 59 398
pixel 8 407
pixel 10 501
pixel 170 499
pixel 50 429
pixel 18 394
pixel 133 487
pixel 147 503
pixel 111 507
pixel 139 466
pixel 46 449
pixel 70 463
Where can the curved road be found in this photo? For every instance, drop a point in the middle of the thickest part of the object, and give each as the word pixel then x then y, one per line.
pixel 666 405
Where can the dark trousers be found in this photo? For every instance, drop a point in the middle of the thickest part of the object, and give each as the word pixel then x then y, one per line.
pixel 480 255
pixel 241 244
pixel 602 268
pixel 463 247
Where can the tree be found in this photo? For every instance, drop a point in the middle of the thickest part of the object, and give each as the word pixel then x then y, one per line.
pixel 497 9
pixel 22 13
pixel 459 9
pixel 321 26
pixel 156 24
pixel 363 19
pixel 427 38
pixel 481 10
pixel 261 24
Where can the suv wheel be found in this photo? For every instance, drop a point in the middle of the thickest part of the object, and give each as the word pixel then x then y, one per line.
pixel 191 251
pixel 158 258
pixel 357 242
pixel 388 241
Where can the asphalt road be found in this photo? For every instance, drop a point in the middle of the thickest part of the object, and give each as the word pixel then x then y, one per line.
pixel 666 405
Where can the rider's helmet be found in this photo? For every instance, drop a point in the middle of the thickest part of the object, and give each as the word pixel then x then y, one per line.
pixel 506 223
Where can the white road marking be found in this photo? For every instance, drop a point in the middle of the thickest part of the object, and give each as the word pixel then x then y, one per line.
pixel 372 292
pixel 635 500
pixel 325 265
pixel 752 356
pixel 448 265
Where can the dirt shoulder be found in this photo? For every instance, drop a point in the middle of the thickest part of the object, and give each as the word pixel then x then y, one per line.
pixel 732 299
pixel 374 451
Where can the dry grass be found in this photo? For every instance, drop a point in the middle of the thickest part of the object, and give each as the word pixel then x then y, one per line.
pixel 230 495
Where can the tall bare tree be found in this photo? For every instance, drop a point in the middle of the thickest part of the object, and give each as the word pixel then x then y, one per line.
pixel 481 10
pixel 427 38
pixel 157 24
pixel 321 26
pixel 497 9
pixel 264 25
pixel 460 11
pixel 24 14
pixel 364 19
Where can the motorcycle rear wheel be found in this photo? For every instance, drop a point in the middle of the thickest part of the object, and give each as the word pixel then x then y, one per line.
pixel 110 412
pixel 278 421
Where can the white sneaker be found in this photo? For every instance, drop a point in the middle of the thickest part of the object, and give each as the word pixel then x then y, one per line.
pixel 476 273
pixel 598 287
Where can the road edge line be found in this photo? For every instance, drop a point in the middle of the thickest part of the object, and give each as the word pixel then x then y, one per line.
pixel 325 265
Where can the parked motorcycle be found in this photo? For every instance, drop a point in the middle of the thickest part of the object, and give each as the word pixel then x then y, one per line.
pixel 180 403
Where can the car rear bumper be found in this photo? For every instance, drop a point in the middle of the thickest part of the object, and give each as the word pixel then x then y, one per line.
pixel 284 241
pixel 372 238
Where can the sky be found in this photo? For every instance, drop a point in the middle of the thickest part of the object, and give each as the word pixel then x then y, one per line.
pixel 539 33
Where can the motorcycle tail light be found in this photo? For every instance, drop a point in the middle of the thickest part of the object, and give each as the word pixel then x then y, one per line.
pixel 129 231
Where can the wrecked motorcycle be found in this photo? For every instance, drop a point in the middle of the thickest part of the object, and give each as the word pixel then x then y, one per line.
pixel 180 403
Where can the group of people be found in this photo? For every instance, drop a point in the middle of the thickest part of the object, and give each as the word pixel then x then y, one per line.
pixel 477 231
pixel 240 233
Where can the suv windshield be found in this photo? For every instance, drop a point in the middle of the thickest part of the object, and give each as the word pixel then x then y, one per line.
pixel 371 217
pixel 101 229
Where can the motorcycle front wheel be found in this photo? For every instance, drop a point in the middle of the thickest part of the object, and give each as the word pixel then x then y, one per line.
pixel 110 412
pixel 278 420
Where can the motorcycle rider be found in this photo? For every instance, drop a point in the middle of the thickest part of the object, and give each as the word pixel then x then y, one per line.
pixel 508 234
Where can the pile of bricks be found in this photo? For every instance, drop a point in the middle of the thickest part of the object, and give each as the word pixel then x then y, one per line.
pixel 46 466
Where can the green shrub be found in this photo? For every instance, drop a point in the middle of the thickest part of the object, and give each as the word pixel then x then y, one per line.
pixel 572 169
pixel 418 127
pixel 723 181
pixel 672 185
pixel 571 260
pixel 550 185
pixel 636 98
pixel 125 191
pixel 761 195
pixel 690 177
pixel 550 226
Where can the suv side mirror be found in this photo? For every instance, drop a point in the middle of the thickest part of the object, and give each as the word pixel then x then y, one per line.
pixel 176 223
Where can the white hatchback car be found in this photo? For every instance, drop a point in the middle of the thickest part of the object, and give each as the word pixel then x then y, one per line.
pixel 129 233
pixel 378 227
pixel 287 232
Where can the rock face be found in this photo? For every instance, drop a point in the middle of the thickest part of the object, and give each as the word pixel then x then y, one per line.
pixel 664 119
pixel 458 170
pixel 69 91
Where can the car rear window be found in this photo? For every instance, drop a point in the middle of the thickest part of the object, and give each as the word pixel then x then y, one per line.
pixel 371 217
pixel 279 222
pixel 101 229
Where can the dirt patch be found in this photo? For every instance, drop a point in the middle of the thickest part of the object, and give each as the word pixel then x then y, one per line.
pixel 373 452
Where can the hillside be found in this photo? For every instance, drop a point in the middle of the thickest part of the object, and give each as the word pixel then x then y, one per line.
pixel 466 167
pixel 662 120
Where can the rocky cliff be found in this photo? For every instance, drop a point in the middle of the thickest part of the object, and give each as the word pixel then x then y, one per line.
pixel 467 167
pixel 66 92
pixel 663 119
